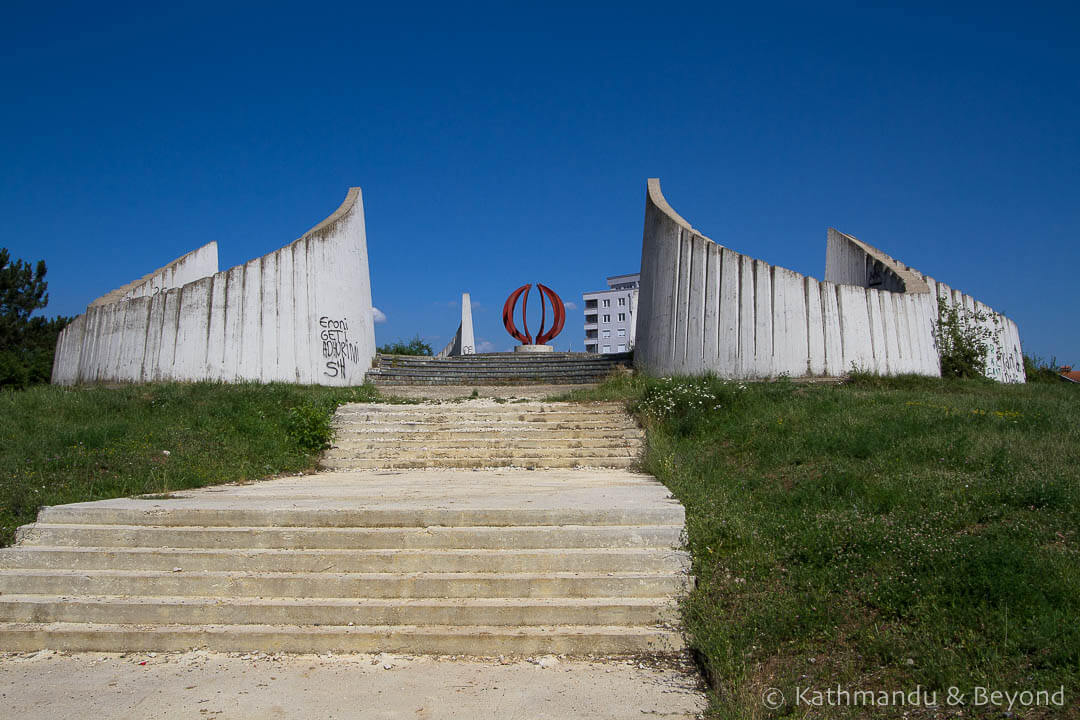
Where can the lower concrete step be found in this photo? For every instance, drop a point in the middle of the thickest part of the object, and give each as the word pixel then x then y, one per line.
pixel 136 610
pixel 488 538
pixel 410 639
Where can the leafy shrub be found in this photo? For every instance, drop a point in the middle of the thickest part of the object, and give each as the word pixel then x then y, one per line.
pixel 308 425
pixel 962 339
pixel 416 346
pixel 1038 369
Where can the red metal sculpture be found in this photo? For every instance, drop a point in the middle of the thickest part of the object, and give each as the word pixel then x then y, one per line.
pixel 558 310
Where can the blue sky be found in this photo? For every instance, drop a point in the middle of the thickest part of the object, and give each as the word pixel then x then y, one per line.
pixel 501 144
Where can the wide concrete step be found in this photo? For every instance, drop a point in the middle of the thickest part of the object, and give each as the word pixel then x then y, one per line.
pixel 516 415
pixel 409 439
pixel 591 560
pixel 596 428
pixel 177 515
pixel 509 450
pixel 141 610
pixel 353 538
pixel 331 463
pixel 327 584
pixel 619 445
pixel 409 639
pixel 376 432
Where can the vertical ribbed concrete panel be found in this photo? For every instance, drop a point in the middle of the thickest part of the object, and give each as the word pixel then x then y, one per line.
pixel 728 341
pixel 711 342
pixel 880 364
pixel 696 297
pixel 747 323
pixel 740 317
pixel 763 319
pixel 831 330
pixel 855 328
pixel 300 314
pixel 268 311
pixel 301 346
pixel 815 327
pixel 286 343
pixel 790 343
pixel 215 337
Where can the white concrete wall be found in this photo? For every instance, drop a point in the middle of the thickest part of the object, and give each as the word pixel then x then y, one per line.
pixel 705 308
pixel 300 314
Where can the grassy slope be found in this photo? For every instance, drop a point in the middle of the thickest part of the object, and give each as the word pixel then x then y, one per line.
pixel 876 535
pixel 60 445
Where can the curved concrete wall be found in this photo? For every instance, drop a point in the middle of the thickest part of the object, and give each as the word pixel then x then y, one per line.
pixel 300 314
pixel 704 308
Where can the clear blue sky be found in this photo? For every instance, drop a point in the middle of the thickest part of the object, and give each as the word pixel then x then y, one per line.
pixel 498 146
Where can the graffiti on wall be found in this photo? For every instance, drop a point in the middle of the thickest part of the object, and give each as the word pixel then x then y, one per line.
pixel 337 349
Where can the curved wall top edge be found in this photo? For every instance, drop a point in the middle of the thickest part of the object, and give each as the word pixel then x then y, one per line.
pixel 913 279
pixel 320 230
pixel 324 228
pixel 121 292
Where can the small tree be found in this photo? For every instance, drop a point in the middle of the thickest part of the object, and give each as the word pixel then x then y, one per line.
pixel 416 346
pixel 962 339
pixel 26 344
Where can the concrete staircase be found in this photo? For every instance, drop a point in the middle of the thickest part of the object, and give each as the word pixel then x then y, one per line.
pixel 483 433
pixel 496 368
pixel 453 562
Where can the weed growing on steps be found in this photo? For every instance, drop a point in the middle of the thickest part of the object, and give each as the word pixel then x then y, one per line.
pixel 878 534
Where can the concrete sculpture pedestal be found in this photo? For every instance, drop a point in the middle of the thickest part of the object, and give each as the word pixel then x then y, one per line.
pixel 533 348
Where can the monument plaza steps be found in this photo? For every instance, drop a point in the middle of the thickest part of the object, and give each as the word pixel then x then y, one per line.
pixel 484 433
pixel 451 561
pixel 496 368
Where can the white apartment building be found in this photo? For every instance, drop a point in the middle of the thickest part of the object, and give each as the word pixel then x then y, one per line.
pixel 611 315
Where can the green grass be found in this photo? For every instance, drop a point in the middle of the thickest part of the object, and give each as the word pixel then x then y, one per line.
pixel 879 535
pixel 60 445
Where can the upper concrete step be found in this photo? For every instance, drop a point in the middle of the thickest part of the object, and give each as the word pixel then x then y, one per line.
pixel 532 434
pixel 545 368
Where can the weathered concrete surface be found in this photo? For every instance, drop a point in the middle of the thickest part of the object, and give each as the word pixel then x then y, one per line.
pixel 437 393
pixel 444 561
pixel 704 308
pixel 484 433
pixel 319 687
pixel 300 314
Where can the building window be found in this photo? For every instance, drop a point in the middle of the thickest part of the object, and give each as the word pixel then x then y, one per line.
pixel 590 304
pixel 607 318
pixel 607 348
pixel 589 319
pixel 622 332
pixel 607 333
pixel 622 317
pixel 607 302
pixel 622 348
pixel 622 302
